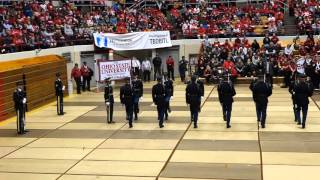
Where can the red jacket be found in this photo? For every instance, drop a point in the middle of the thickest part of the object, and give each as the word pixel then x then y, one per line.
pixel 85 71
pixel 75 73
pixel 170 62
pixel 229 66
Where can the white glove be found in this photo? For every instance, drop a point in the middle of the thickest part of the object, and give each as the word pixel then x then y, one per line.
pixel 202 97
pixel 107 103
pixel 141 98
pixel 24 100
pixel 171 98
pixel 63 88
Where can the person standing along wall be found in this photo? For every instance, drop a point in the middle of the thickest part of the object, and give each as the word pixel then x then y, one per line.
pixel 146 69
pixel 170 67
pixel 76 75
pixel 157 61
pixel 86 74
pixel 183 68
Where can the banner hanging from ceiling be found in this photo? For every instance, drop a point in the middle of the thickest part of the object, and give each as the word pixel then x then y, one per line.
pixel 133 41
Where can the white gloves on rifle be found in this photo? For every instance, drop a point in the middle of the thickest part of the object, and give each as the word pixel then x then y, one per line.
pixel 107 103
pixel 202 97
pixel 141 98
pixel 171 98
pixel 24 100
pixel 63 88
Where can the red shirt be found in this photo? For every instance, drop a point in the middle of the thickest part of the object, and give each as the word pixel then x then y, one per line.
pixel 229 65
pixel 201 31
pixel 85 71
pixel 170 62
pixel 75 73
pixel 274 39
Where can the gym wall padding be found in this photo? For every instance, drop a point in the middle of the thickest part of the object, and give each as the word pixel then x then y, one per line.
pixel 38 75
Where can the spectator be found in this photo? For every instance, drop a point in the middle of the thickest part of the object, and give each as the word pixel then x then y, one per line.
pixel 76 75
pixel 183 68
pixel 288 50
pixel 255 46
pixel 86 73
pixel 146 69
pixel 170 67
pixel 157 61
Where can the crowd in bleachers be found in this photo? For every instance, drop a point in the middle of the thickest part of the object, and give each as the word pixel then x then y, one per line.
pixel 30 25
pixel 220 20
pixel 307 15
pixel 241 58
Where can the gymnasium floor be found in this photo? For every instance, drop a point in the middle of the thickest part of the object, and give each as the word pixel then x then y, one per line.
pixel 80 145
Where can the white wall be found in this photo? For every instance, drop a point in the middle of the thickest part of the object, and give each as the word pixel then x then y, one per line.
pixel 186 47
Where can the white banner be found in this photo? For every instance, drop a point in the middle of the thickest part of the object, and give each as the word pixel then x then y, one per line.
pixel 115 69
pixel 133 41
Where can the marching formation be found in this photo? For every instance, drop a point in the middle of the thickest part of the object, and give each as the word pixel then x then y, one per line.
pixel 131 93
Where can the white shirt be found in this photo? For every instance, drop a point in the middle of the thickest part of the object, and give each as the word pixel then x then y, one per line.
pixel 146 65
pixel 288 51
pixel 300 65
pixel 318 66
pixel 136 63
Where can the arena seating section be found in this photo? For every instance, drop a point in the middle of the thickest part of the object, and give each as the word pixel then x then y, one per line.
pixel 38 75
pixel 32 25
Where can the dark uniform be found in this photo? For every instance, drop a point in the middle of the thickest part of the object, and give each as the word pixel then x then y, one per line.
pixel 260 92
pixel 168 85
pixel 109 100
pixel 158 97
pixel 19 98
pixel 193 98
pixel 126 98
pixel 291 86
pixel 226 92
pixel 302 90
pixel 137 94
pixel 59 94
pixel 201 89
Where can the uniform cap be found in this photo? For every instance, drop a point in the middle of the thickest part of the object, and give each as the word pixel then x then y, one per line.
pixel 19 83
pixel 193 78
pixel 107 79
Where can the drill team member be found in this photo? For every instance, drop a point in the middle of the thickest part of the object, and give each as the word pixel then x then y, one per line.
pixel 76 75
pixel 226 92
pixel 109 100
pixel 291 86
pixel 137 94
pixel 126 98
pixel 168 85
pixel 19 98
pixel 193 96
pixel 201 88
pixel 260 92
pixel 158 97
pixel 59 87
pixel 302 91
